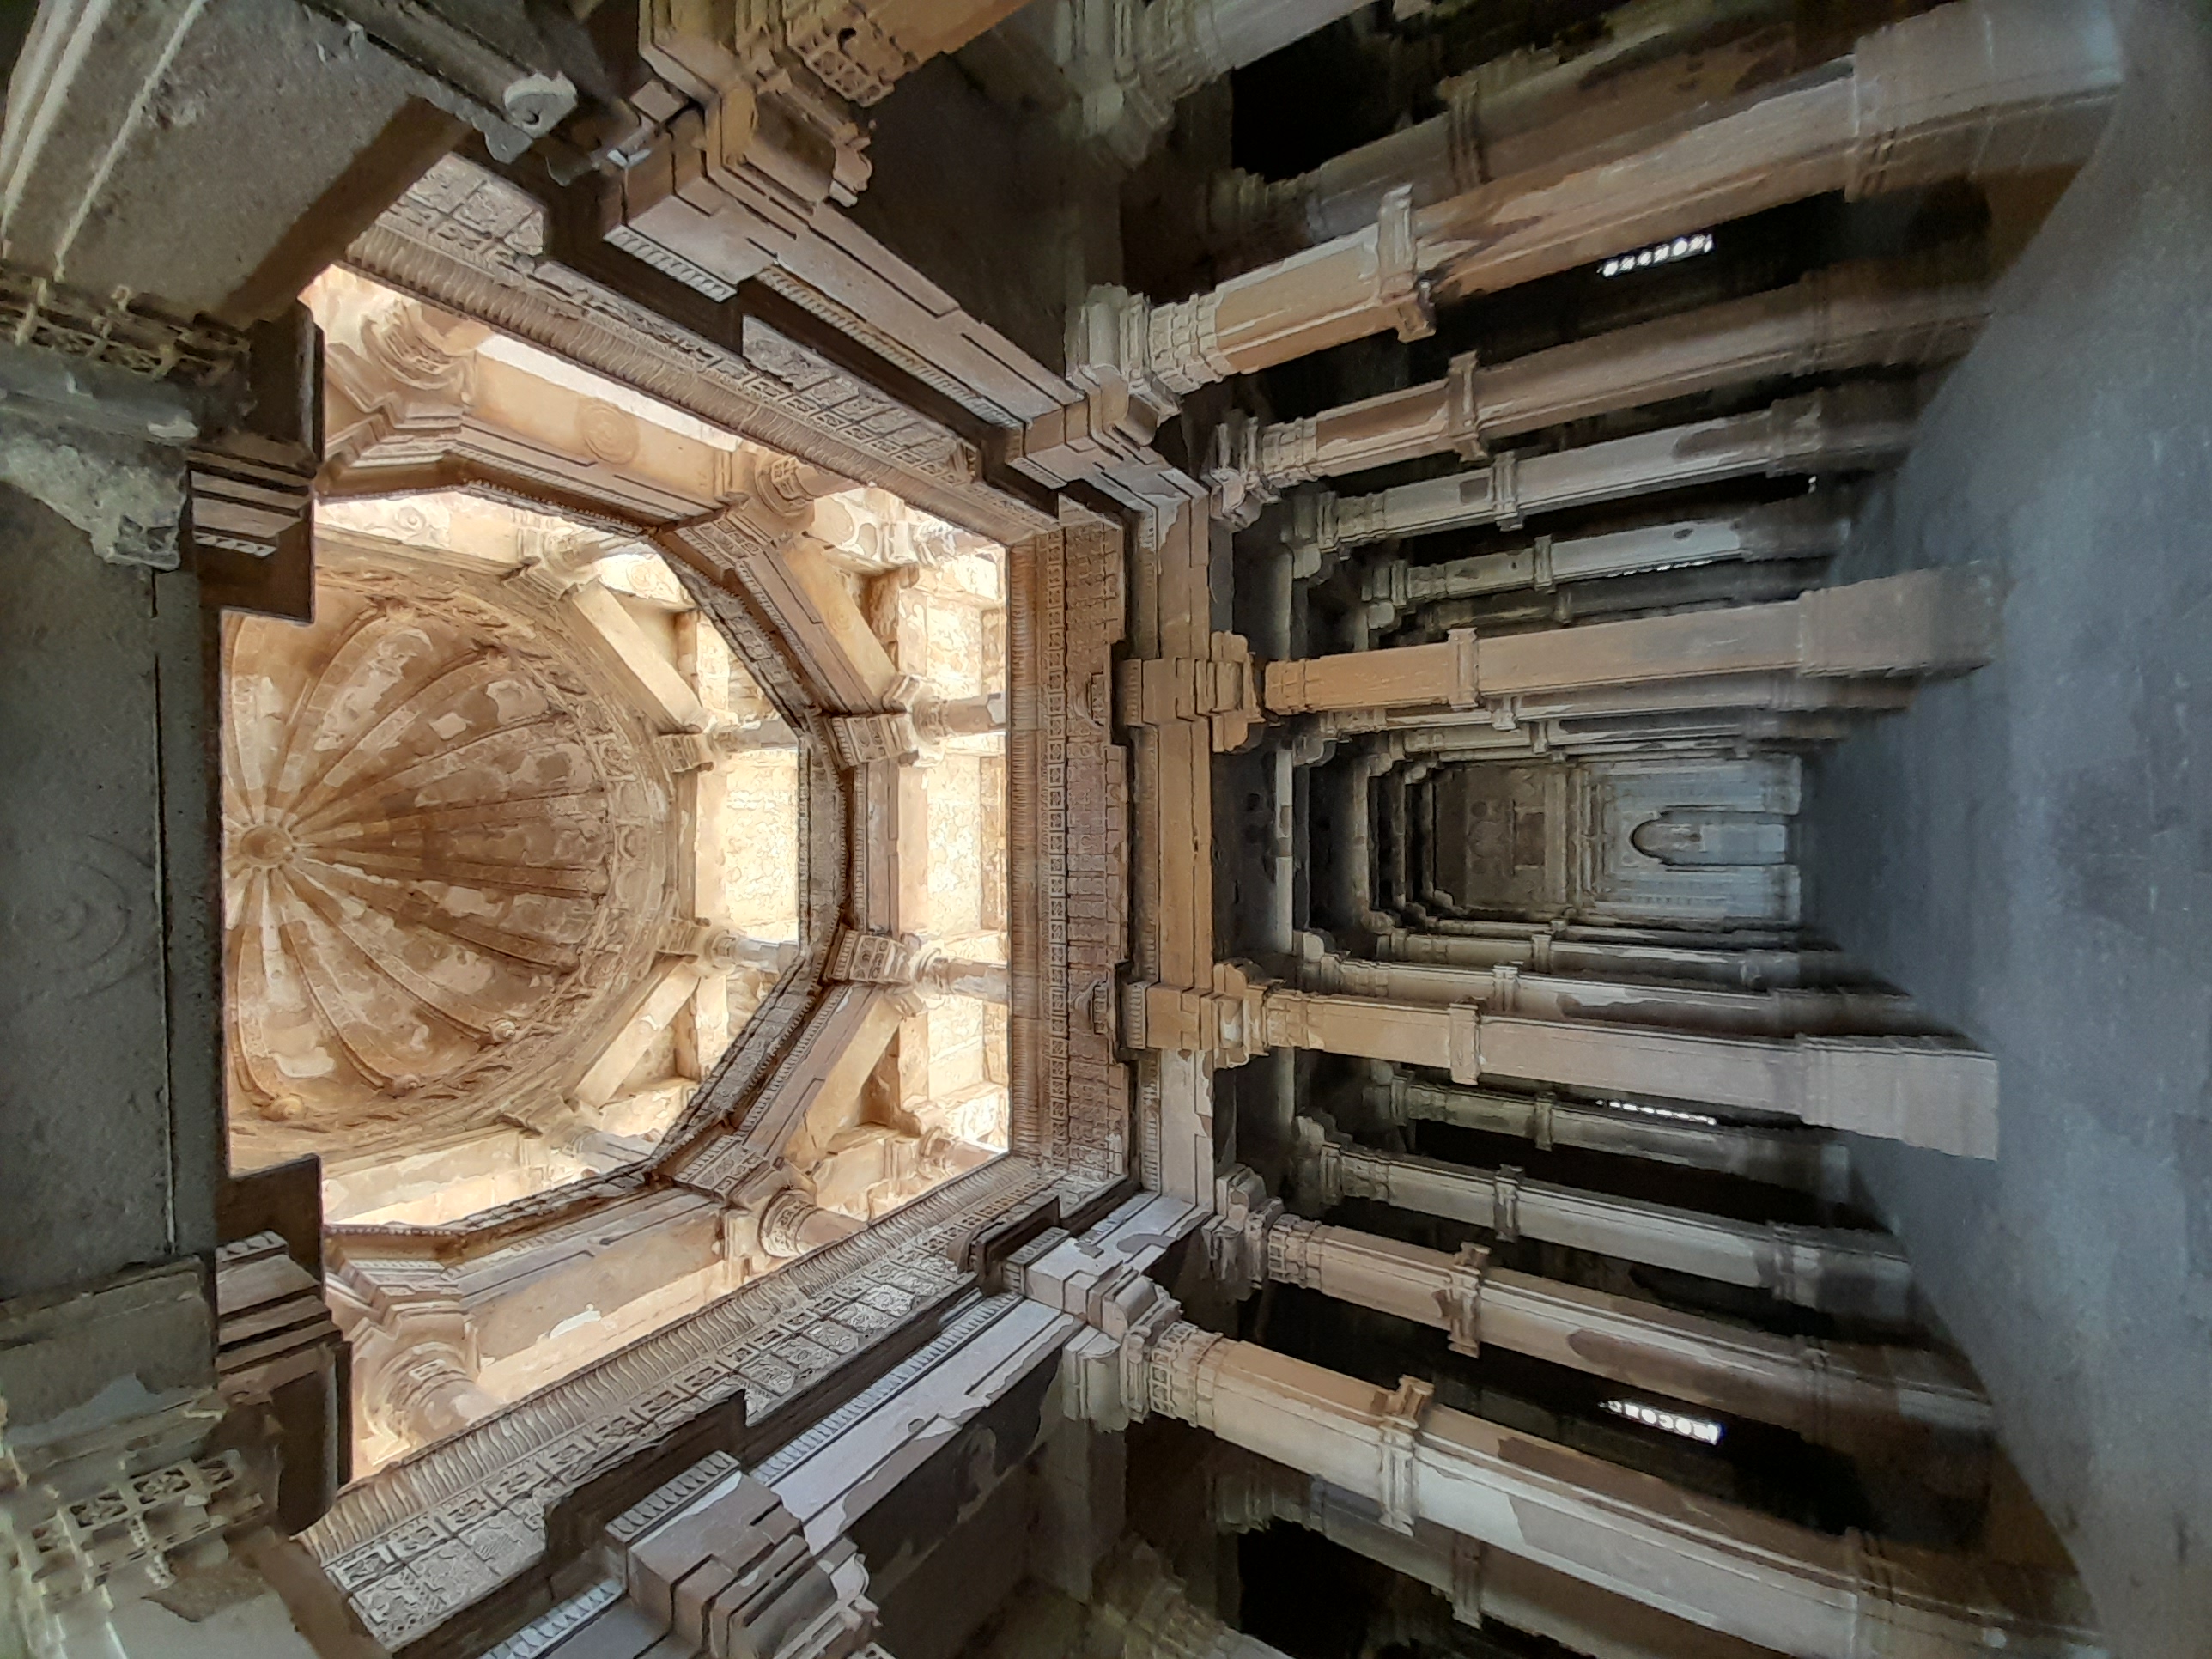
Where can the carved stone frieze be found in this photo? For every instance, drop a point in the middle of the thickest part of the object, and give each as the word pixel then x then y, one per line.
pixel 457 1522
pixel 468 240
pixel 1067 815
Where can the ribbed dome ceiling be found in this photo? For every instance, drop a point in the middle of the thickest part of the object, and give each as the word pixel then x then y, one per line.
pixel 443 846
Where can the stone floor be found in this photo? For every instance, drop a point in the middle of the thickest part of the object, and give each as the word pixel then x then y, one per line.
pixel 2030 851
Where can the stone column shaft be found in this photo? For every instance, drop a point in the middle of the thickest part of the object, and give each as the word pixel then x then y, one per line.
pixel 1781 1158
pixel 1860 1274
pixel 992 982
pixel 1508 988
pixel 1848 317
pixel 1143 1612
pixel 429 1393
pixel 1809 529
pixel 1844 429
pixel 1540 949
pixel 1482 1584
pixel 1924 621
pixel 1971 90
pixel 1512 113
pixel 1769 1582
pixel 1924 1092
pixel 1866 1400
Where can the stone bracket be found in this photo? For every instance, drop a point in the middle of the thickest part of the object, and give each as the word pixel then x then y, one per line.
pixel 1222 688
pixel 859 738
pixel 1466 1042
pixel 1463 1298
pixel 1506 1209
pixel 1399 1432
pixel 1224 1022
pixel 858 958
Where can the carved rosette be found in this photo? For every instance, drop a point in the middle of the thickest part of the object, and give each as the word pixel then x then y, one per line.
pixel 448 854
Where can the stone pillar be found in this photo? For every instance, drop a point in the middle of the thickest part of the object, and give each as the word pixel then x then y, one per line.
pixel 1515 112
pixel 1871 1402
pixel 1973 88
pixel 955 976
pixel 1813 527
pixel 1848 317
pixel 1483 1585
pixel 1139 1610
pixel 1807 1160
pixel 1860 1275
pixel 935 721
pixel 1923 1090
pixel 1509 988
pixel 1133 61
pixel 1846 429
pixel 1766 1581
pixel 792 1224
pixel 415 1365
pixel 1662 958
pixel 1923 622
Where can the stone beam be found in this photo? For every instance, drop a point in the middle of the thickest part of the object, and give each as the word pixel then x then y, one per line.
pixel 418 404
pixel 1848 317
pixel 1860 1275
pixel 1766 1581
pixel 1537 948
pixel 759 545
pixel 1185 691
pixel 1973 89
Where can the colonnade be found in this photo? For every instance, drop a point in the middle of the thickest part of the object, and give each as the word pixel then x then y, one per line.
pixel 1522 722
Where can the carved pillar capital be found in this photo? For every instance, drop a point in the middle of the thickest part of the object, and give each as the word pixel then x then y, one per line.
pixel 860 958
pixel 718 948
pixel 859 738
pixel 792 1224
pixel 1237 1239
pixel 1398 1436
pixel 1318 1163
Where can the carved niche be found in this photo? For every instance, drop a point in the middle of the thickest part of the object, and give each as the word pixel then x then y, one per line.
pixel 449 857
pixel 1688 842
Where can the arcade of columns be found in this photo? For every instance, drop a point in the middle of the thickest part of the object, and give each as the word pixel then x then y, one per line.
pixel 1421 1091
